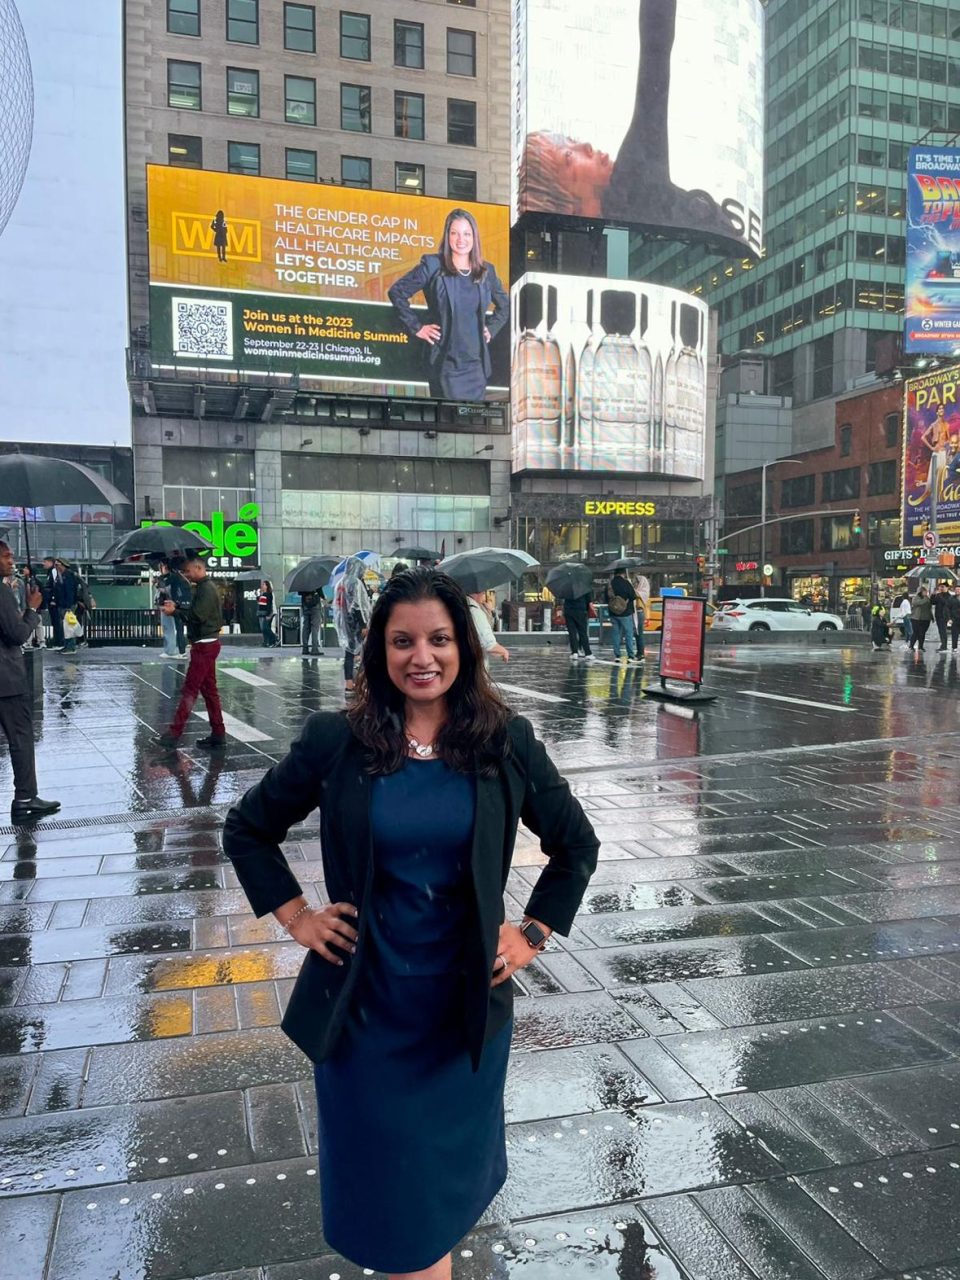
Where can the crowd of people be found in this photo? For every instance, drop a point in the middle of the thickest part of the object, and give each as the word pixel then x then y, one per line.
pixel 626 609
pixel 912 616
pixel 65 599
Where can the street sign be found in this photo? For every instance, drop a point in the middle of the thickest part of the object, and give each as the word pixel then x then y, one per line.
pixel 723 551
pixel 931 539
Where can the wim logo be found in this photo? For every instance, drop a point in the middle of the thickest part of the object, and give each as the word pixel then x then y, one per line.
pixel 196 236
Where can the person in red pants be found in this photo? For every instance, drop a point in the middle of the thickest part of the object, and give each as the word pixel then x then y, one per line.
pixel 204 619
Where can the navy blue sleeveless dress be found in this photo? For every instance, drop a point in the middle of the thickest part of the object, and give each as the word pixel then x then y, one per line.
pixel 412 1144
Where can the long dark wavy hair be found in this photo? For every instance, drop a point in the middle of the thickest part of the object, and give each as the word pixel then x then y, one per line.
pixel 474 738
pixel 478 268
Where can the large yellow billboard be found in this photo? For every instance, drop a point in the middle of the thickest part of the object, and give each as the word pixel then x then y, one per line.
pixel 405 292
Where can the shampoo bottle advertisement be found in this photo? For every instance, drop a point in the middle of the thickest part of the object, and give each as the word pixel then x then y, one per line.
pixel 608 375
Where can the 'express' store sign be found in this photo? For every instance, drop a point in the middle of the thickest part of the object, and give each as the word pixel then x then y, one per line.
pixel 592 507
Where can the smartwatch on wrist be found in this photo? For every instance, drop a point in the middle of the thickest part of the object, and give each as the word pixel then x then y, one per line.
pixel 534 935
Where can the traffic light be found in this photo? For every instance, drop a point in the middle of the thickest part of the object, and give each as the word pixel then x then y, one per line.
pixel 701 563
pixel 857 526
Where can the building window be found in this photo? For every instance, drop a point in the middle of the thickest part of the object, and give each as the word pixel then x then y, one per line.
pixel 301 165
pixel 796 537
pixel 461 52
pixel 355 108
pixel 410 178
pixel 836 486
pixel 836 534
pixel 461 123
pixel 744 500
pixel 881 478
pixel 797 491
pixel 883 529
pixel 461 184
pixel 408 44
pixel 300 100
pixel 183 86
pixel 243 92
pixel 300 28
pixel 365 473
pixel 846 441
pixel 185 151
pixel 243 157
pixel 356 171
pixel 355 36
pixel 891 430
pixel 243 21
pixel 408 115
pixel 183 17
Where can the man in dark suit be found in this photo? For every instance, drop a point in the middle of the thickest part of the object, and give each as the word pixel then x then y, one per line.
pixel 16 713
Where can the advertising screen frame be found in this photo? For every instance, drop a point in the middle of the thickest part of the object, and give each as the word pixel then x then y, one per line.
pixel 638 159
pixel 932 295
pixel 334 285
pixel 923 398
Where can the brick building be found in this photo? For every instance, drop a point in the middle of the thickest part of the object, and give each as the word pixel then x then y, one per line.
pixel 817 551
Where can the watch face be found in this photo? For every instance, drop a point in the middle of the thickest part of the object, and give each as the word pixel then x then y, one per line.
pixel 534 934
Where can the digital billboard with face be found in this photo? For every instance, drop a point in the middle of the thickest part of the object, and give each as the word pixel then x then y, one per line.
pixel 932 323
pixel 608 375
pixel 931 455
pixel 362 290
pixel 644 112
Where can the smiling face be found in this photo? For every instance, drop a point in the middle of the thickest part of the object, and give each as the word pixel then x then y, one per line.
pixel 423 659
pixel 460 238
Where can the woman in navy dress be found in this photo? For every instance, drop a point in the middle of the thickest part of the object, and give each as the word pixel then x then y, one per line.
pixel 404 1002
pixel 459 289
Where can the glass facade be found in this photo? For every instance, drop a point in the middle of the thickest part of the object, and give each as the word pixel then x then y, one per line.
pixel 851 85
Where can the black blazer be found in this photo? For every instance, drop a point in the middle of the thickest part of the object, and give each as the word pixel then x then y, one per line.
pixel 325 769
pixel 428 278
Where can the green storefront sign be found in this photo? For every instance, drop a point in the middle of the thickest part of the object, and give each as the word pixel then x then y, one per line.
pixel 236 545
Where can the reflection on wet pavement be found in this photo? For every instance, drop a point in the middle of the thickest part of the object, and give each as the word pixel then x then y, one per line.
pixel 742 1063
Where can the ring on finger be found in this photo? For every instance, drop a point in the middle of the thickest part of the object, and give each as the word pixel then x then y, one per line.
pixel 504 964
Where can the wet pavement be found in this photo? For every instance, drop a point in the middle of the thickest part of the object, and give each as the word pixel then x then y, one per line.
pixel 744 1062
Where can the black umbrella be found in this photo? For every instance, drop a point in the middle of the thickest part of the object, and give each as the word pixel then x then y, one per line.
pixel 416 553
pixel 248 575
pixel 627 562
pixel 487 567
pixel 570 580
pixel 159 541
pixel 32 480
pixel 310 575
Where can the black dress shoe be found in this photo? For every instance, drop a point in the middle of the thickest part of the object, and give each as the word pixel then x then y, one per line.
pixel 35 808
pixel 213 742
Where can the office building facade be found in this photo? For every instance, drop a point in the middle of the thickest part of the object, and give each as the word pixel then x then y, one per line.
pixel 411 96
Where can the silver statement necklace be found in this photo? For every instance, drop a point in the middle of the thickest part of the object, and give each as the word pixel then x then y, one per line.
pixel 422 749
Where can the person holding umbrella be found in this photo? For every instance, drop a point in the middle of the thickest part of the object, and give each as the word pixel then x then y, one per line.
pixel 204 619
pixel 491 646
pixel 16 709
pixel 404 1003
pixel 351 614
pixel 572 584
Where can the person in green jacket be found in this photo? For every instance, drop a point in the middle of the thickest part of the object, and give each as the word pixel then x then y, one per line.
pixel 204 619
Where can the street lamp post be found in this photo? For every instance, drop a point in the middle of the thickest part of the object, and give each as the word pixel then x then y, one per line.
pixel 763 515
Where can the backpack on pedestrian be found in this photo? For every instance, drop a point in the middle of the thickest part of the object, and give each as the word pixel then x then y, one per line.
pixel 618 605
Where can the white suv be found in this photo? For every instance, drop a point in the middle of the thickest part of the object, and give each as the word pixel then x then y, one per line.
pixel 770 614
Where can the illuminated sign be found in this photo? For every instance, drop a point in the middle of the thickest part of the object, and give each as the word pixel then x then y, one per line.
pixel 931 454
pixel 745 566
pixel 645 112
pixel 593 507
pixel 363 289
pixel 236 545
pixel 932 304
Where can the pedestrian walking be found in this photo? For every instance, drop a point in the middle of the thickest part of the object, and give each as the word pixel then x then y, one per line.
pixel 172 585
pixel 51 588
pixel 477 603
pixel 351 614
pixel 311 623
pixel 85 607
pixel 940 611
pixel 204 621
pixel 404 1001
pixel 17 626
pixel 576 616
pixel 31 582
pixel 953 616
pixel 921 615
pixel 902 614
pixel 622 605
pixel 265 614
pixel 67 589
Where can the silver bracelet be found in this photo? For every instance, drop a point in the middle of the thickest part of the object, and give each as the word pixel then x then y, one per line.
pixel 296 916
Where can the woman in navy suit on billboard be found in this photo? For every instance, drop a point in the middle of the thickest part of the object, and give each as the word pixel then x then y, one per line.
pixel 459 289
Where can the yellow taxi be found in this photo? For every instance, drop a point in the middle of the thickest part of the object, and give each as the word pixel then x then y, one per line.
pixel 654 616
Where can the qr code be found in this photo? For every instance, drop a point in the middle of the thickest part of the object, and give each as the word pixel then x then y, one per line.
pixel 203 328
